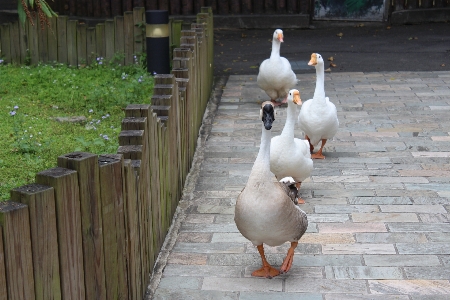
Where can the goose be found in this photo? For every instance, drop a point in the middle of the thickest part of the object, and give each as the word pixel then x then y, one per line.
pixel 318 116
pixel 289 156
pixel 275 75
pixel 264 212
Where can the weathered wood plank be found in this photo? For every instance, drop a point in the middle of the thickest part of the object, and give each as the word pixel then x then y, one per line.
pixel 292 6
pixel 44 237
pixel 15 222
pixel 23 38
pixel 139 31
pixel 6 42
pixel 72 53
pixel 67 199
pixel 223 7
pixel 100 39
pixel 175 7
pixel 187 7
pixel 52 40
pixel 43 44
pixel 132 231
pixel 116 8
pixel 15 42
pixel 86 165
pixel 114 237
pixel 62 32
pixel 247 7
pixel 110 41
pixel 128 27
pixel 119 42
pixel 81 44
pixel 3 283
pixel 91 45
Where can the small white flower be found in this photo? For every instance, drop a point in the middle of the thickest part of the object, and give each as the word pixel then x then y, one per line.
pixel 16 107
pixel 91 111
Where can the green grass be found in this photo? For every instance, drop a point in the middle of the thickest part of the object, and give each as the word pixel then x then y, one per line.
pixel 32 97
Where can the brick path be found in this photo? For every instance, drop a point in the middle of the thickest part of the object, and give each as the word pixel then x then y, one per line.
pixel 378 205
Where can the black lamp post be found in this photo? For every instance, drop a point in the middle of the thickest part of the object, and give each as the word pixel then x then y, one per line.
pixel 157 32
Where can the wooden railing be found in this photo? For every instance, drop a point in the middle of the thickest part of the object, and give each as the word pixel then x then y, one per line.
pixel 92 227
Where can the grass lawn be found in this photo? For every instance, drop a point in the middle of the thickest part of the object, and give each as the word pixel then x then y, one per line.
pixel 32 98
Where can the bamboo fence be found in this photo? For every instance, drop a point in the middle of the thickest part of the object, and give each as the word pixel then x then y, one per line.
pixel 92 227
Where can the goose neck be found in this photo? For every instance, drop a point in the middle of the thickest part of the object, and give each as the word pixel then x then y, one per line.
pixel 261 167
pixel 289 126
pixel 319 92
pixel 275 49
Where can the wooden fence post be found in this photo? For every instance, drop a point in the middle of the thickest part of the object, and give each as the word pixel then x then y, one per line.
pixel 15 42
pixel 72 53
pixel 81 45
pixel 114 230
pixel 119 43
pixel 86 165
pixel 15 222
pixel 68 216
pixel 6 42
pixel 62 39
pixel 139 30
pixel 44 237
pixel 3 283
pixel 128 36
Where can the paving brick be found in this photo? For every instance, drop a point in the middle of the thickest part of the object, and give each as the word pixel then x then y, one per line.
pixel 391 237
pixel 323 209
pixel 380 200
pixel 418 227
pixel 230 247
pixel 187 258
pixel 384 217
pixel 401 260
pixel 358 249
pixel 191 283
pixel 186 294
pixel 307 285
pixel 427 248
pixel 351 227
pixel 365 297
pixel 327 238
pixel 362 272
pixel 410 287
pixel 192 237
pixel 427 272
pixel 431 209
pixel 242 284
pixel 278 296
pixel 202 271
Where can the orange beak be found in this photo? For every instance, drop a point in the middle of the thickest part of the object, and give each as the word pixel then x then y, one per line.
pixel 280 37
pixel 313 60
pixel 297 99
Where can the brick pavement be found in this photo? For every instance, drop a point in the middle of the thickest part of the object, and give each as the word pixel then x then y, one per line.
pixel 378 205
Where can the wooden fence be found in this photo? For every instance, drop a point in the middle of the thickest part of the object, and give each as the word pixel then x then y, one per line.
pixel 92 227
pixel 73 42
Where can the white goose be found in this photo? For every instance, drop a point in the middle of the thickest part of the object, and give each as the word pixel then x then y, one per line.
pixel 275 75
pixel 318 116
pixel 264 212
pixel 291 157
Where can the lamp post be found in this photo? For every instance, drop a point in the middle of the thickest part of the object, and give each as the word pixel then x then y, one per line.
pixel 157 41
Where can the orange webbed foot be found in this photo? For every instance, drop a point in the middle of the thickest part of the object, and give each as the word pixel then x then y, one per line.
pixel 287 263
pixel 267 272
pixel 300 201
pixel 317 156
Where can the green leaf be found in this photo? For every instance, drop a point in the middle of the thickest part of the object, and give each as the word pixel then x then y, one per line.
pixel 21 12
pixel 46 9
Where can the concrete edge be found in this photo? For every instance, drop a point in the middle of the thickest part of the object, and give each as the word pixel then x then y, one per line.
pixel 417 16
pixel 191 180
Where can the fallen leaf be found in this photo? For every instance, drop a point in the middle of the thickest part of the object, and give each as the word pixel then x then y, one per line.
pixel 443 65
pixel 360 25
pixel 333 65
pixel 340 34
pixel 226 70
pixel 244 35
pixel 331 58
pixel 415 38
pixel 392 78
pixel 410 38
pixel 328 70
pixel 253 67
pixel 389 27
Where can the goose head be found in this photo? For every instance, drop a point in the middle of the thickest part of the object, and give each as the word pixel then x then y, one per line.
pixel 294 96
pixel 267 114
pixel 316 59
pixel 278 35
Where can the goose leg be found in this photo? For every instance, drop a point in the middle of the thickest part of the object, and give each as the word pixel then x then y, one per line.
pixel 318 154
pixel 300 200
pixel 267 270
pixel 311 147
pixel 287 263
